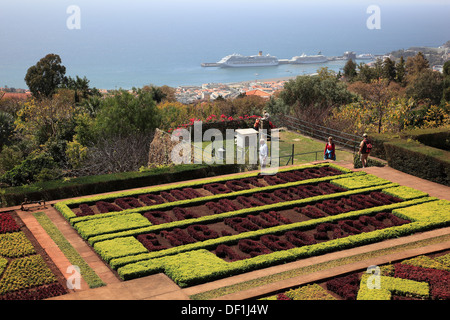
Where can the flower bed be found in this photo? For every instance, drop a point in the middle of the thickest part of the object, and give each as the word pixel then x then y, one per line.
pixel 419 278
pixel 24 274
pixel 204 230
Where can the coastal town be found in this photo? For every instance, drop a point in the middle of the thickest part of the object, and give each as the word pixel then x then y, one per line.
pixel 212 91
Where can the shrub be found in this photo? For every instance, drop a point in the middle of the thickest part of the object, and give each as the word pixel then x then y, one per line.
pixel 24 273
pixel 28 170
pixel 7 223
pixel 307 292
pixel 111 224
pixel 119 247
pixel 15 245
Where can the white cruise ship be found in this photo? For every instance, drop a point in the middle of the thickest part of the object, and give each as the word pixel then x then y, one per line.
pixel 318 58
pixel 365 56
pixel 237 60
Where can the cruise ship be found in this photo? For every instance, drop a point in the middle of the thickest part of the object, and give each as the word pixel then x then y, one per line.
pixel 365 56
pixel 237 60
pixel 318 58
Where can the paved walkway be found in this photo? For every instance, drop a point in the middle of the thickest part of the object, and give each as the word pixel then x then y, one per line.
pixel 161 287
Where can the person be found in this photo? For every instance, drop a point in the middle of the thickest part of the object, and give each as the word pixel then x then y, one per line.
pixel 263 153
pixel 364 149
pixel 330 150
pixel 256 125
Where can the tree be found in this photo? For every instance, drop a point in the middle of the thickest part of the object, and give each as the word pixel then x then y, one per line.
pixel 400 71
pixel 415 65
pixel 389 71
pixel 350 70
pixel 46 76
pixel 446 82
pixel 124 113
pixel 426 86
pixel 45 118
pixel 6 128
pixel 311 98
pixel 80 87
pixel 366 73
pixel 160 94
pixel 377 94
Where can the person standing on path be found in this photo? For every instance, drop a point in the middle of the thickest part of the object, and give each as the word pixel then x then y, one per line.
pixel 263 153
pixel 330 150
pixel 364 149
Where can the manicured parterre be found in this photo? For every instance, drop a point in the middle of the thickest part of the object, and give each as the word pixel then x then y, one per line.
pixel 208 229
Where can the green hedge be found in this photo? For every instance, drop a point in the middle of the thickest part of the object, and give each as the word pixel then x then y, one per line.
pixel 423 152
pixel 434 137
pixel 419 160
pixel 75 187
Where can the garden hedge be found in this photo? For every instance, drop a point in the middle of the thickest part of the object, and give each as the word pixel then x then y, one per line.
pixel 75 187
pixel 419 160
pixel 423 153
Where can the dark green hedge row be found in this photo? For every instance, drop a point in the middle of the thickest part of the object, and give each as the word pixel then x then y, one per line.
pixel 422 153
pixel 436 137
pixel 419 160
pixel 61 189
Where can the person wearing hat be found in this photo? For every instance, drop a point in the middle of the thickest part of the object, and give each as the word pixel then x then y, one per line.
pixel 364 149
pixel 263 153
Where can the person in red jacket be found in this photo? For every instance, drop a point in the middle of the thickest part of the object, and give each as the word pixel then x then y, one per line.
pixel 330 150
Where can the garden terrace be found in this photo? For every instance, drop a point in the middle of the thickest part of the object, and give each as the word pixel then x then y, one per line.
pixel 209 229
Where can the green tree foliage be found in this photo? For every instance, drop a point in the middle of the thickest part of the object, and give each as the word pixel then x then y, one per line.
pixel 366 73
pixel 6 128
pixel 400 71
pixel 80 86
pixel 427 86
pixel 121 114
pixel 36 167
pixel 415 65
pixel 389 71
pixel 311 97
pixel 46 76
pixel 446 82
pixel 350 70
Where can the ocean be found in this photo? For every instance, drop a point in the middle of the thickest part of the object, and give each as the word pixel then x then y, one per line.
pixel 125 44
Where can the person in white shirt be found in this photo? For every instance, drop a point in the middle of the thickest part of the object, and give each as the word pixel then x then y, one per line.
pixel 263 153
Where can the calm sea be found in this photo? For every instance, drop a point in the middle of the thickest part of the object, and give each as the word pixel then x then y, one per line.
pixel 122 44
